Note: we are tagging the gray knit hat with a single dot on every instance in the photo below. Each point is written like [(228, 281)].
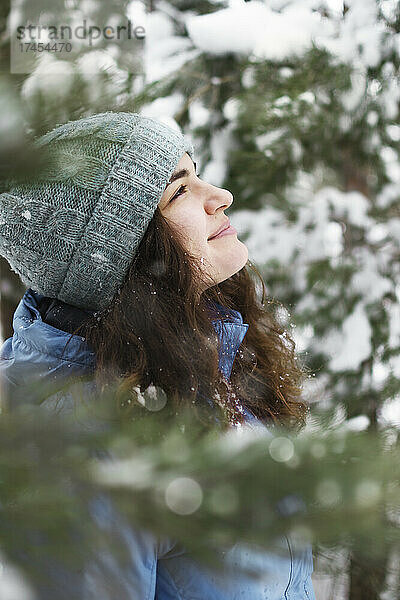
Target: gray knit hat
[(72, 234)]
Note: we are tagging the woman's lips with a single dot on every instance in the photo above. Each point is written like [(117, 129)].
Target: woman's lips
[(228, 231)]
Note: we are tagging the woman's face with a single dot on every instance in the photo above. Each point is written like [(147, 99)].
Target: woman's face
[(196, 210)]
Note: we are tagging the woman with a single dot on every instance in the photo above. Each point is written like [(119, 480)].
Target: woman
[(121, 241)]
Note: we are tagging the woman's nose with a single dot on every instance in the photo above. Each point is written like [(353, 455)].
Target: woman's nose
[(217, 197)]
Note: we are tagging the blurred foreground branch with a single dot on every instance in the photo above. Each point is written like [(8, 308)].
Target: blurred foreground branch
[(168, 472)]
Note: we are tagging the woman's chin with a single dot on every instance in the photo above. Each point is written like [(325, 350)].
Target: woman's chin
[(239, 257), (243, 254), (233, 268)]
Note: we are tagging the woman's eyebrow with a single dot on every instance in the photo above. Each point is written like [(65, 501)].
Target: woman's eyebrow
[(179, 175)]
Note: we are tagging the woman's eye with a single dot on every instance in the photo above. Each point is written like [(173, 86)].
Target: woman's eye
[(178, 192), (182, 189)]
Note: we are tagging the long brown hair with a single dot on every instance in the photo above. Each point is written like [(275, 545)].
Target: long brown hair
[(157, 331)]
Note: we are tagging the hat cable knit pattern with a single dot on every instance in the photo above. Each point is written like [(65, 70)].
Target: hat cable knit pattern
[(72, 233)]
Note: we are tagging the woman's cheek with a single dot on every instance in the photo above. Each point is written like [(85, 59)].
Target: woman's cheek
[(193, 227), (191, 238)]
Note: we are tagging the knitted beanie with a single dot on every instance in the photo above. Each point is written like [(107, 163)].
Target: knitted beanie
[(72, 233)]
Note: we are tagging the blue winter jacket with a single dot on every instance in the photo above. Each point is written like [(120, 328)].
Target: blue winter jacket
[(160, 568)]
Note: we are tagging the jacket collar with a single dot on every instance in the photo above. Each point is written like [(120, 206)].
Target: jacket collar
[(36, 342), (31, 330), (231, 331), (37, 351)]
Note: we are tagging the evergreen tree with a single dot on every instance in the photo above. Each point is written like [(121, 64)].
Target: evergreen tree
[(176, 476)]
